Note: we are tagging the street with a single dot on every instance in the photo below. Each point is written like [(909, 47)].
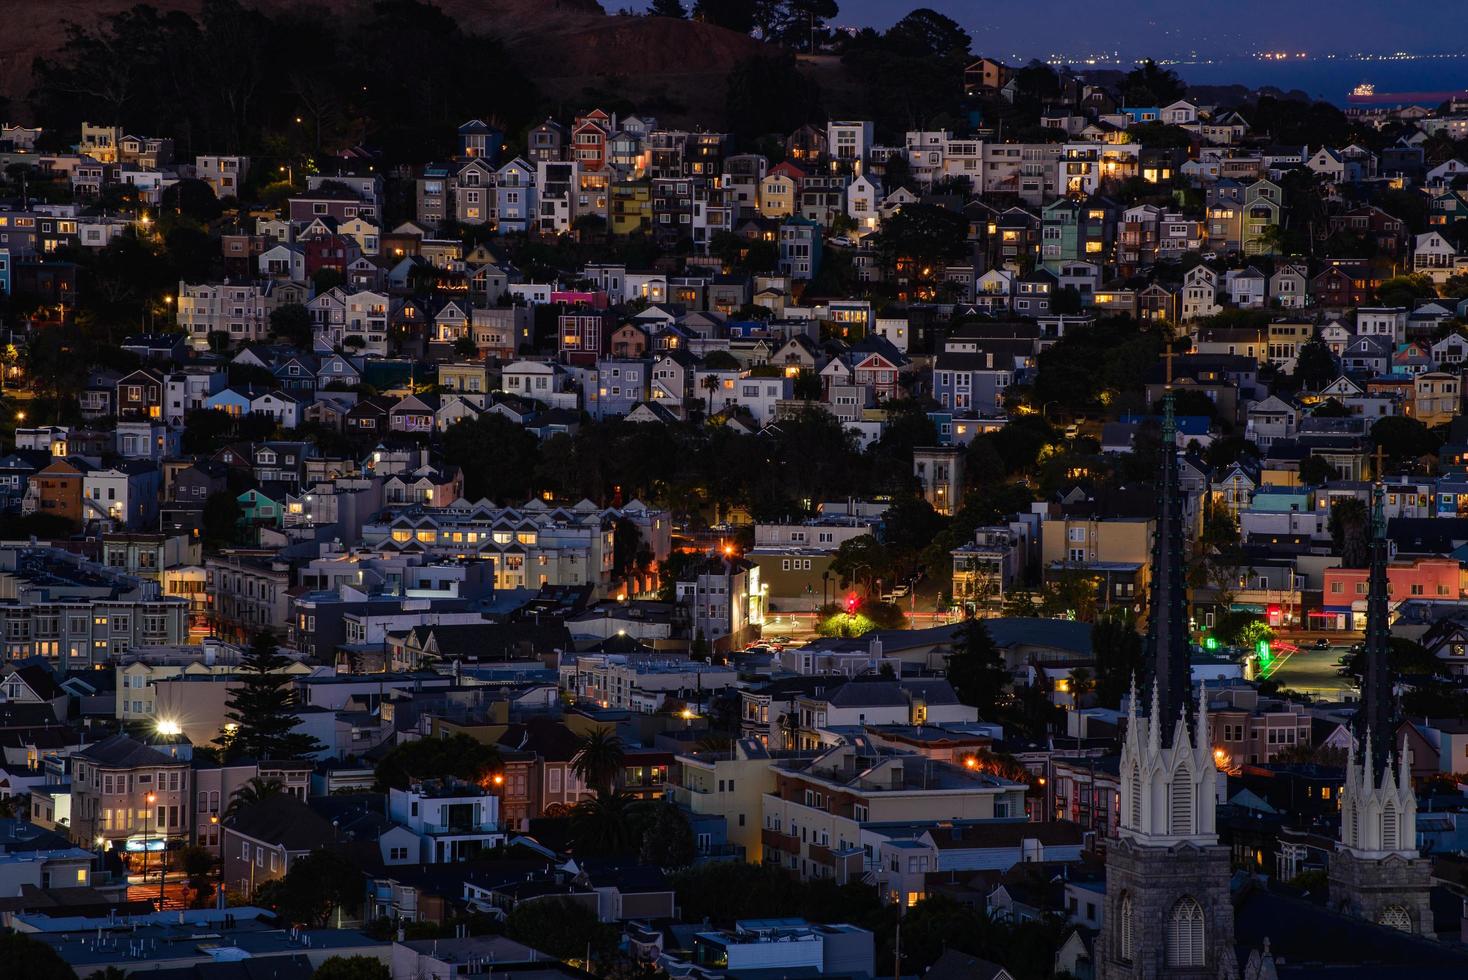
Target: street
[(1311, 671)]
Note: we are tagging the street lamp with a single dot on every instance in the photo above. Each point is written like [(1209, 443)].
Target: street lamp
[(147, 834)]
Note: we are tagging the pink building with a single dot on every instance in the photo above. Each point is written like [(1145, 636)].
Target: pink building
[(1424, 580)]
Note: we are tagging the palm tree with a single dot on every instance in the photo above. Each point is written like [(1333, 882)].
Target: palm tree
[(607, 823), (710, 383), (599, 760), (253, 792)]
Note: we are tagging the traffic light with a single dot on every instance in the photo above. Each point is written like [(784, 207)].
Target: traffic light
[(851, 604)]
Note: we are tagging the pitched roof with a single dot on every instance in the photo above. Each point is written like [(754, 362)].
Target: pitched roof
[(285, 821), (125, 752)]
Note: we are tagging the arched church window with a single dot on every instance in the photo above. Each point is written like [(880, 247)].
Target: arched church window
[(1126, 928), (1136, 797), (1181, 817), (1185, 933), (1396, 917)]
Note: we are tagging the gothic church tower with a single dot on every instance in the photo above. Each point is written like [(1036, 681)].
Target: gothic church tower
[(1376, 872), (1169, 915)]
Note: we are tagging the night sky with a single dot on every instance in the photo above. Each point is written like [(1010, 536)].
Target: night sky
[(1213, 28), (1217, 28)]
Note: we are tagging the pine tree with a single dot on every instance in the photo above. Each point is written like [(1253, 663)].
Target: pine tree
[(261, 709), (976, 668), (667, 8)]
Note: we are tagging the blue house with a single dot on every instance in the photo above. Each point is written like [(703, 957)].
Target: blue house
[(229, 401), (479, 140), (5, 271), (1142, 114)]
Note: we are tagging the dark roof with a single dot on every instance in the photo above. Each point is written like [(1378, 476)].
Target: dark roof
[(283, 820), (26, 714), (1309, 937), (294, 966), (125, 752), (1050, 833), (40, 681), (953, 965)]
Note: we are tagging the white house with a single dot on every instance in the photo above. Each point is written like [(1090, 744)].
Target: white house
[(453, 821)]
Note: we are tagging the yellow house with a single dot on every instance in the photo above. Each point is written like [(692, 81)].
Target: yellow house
[(1115, 553), (712, 784), (814, 814), (777, 196), (1286, 338), (631, 208), (1435, 397)]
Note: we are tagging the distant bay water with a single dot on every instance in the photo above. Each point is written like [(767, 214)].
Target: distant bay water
[(1331, 79)]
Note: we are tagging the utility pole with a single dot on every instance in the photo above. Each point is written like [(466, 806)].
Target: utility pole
[(897, 947)]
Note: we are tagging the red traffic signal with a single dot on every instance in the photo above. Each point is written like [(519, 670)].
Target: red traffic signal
[(851, 604)]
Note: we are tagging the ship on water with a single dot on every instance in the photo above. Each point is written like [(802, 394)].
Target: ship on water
[(1366, 94)]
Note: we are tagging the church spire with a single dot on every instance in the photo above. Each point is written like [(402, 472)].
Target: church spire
[(1376, 718), (1167, 628)]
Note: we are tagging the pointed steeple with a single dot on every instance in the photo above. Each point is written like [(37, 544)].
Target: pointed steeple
[(1376, 718), (1167, 629)]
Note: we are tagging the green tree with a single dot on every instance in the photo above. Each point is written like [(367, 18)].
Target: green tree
[(261, 708), (1315, 470), (316, 885), (666, 8), (197, 865), (924, 236), (768, 93), (1117, 648), (291, 323), (734, 15), (1157, 135), (976, 668), (667, 841), (1152, 85), (925, 33), (253, 791), (455, 757), (352, 968), (599, 759), (1403, 440), (191, 197), (1350, 531), (32, 959), (1405, 290), (562, 928), (326, 279), (221, 518), (1315, 365), (498, 457), (862, 559)]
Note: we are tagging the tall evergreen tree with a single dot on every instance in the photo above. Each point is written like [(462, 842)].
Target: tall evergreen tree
[(976, 668), (262, 708)]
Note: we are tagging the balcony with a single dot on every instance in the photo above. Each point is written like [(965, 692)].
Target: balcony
[(777, 841), (457, 829)]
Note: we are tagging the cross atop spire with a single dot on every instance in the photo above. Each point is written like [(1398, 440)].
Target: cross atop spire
[(1169, 418)]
